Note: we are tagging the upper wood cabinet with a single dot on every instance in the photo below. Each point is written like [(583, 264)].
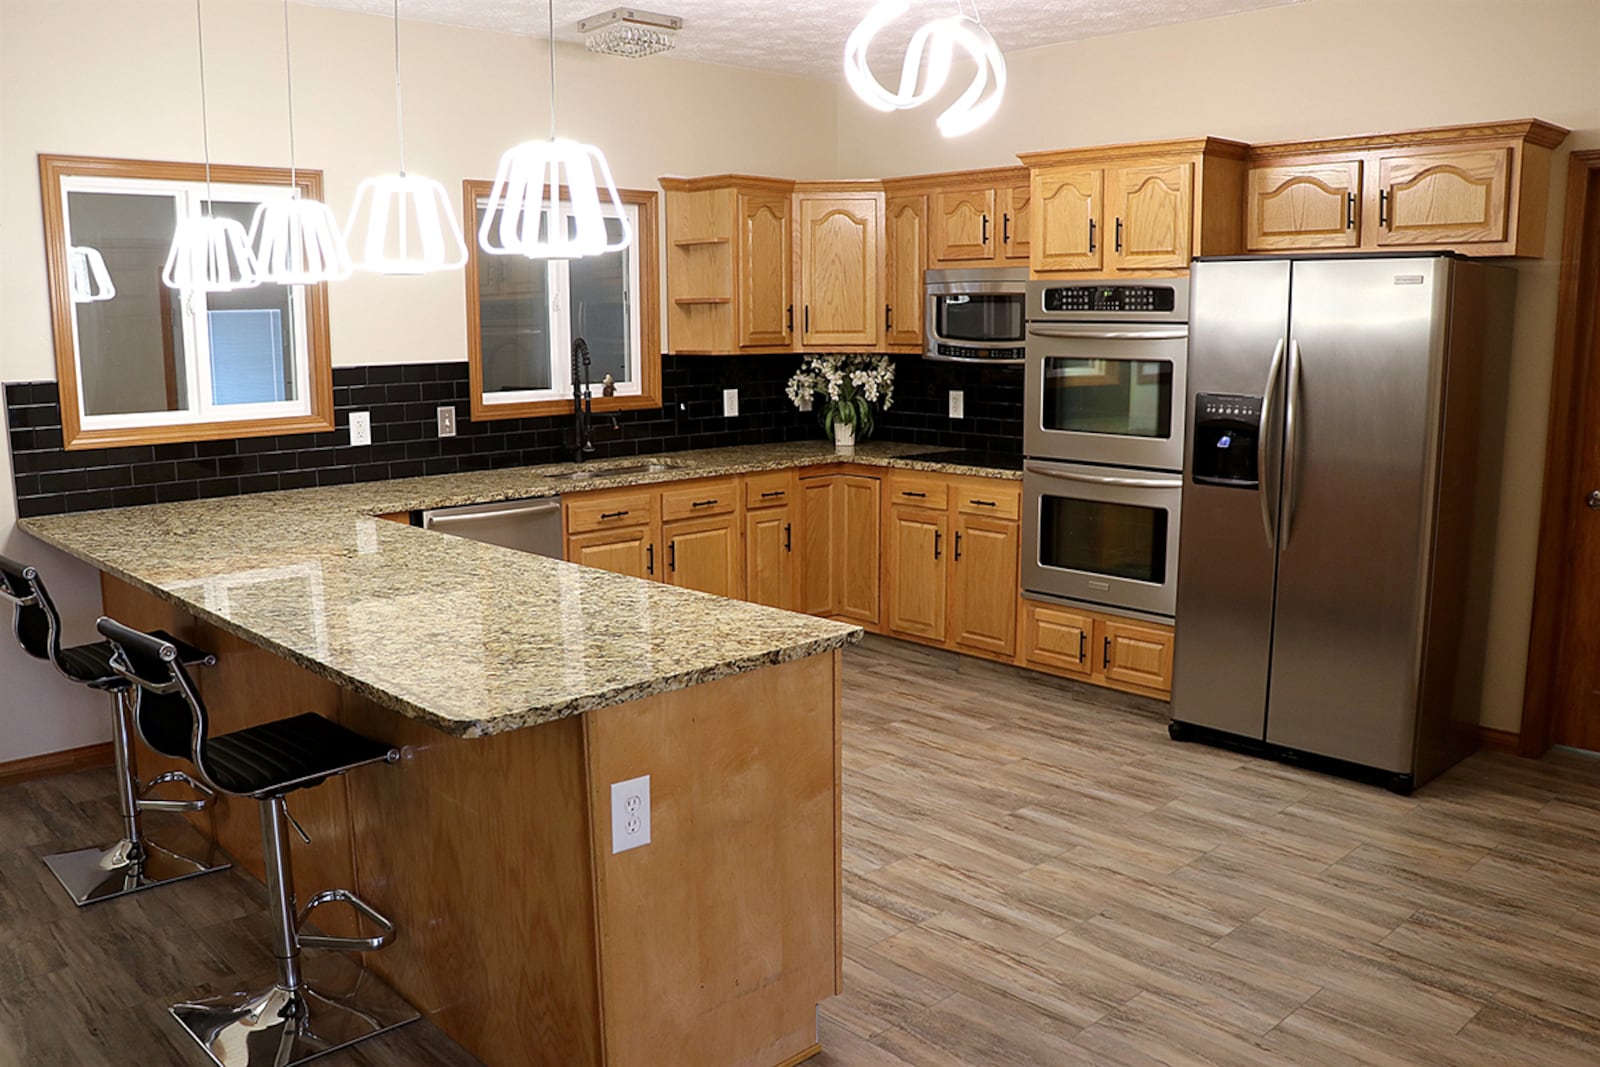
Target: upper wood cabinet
[(763, 265), (1015, 219), (905, 250), (1479, 190), (977, 218), (1142, 209), (840, 264), (960, 233)]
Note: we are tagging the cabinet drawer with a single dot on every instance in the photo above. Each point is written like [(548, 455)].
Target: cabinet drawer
[(768, 490), (988, 496), (716, 496), (604, 511), (920, 490)]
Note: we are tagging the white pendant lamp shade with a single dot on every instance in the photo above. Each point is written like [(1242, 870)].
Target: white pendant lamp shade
[(210, 255), (402, 224), (297, 242), (526, 215), (938, 39), (89, 278)]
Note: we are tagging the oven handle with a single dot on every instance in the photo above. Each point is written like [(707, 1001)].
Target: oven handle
[(1104, 479), (1089, 333)]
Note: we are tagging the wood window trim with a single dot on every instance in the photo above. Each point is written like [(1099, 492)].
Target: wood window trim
[(1571, 382), (319, 359), (644, 246)]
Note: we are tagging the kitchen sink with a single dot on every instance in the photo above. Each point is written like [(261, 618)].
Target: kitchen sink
[(585, 473)]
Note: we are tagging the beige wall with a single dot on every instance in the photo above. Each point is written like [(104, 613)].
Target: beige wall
[(1321, 69)]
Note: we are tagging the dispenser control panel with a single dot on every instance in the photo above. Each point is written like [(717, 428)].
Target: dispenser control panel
[(1227, 436)]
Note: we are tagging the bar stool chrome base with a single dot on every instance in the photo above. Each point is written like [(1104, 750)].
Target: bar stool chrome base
[(90, 875), (280, 1027)]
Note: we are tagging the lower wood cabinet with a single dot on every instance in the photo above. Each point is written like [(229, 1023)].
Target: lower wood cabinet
[(839, 547), (1137, 655), (705, 554), (631, 551), (1126, 654), (983, 568), (771, 556), (915, 573)]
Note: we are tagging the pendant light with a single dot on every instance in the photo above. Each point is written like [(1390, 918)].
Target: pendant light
[(208, 254), (403, 223), (939, 38), (89, 278), (297, 239), (526, 216)]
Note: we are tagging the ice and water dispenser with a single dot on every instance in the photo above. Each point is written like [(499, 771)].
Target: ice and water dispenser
[(1227, 432)]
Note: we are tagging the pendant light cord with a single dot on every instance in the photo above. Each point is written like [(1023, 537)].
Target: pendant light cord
[(288, 81), (399, 103), (205, 126), (550, 7)]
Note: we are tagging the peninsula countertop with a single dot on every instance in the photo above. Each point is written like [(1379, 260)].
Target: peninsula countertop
[(470, 638)]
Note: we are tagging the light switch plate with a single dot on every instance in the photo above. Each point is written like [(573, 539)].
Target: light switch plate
[(361, 427), (730, 403), (958, 404), (630, 814), (447, 421)]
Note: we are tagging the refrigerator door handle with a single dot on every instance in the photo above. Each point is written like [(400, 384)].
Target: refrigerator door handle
[(1262, 449), (1291, 441)]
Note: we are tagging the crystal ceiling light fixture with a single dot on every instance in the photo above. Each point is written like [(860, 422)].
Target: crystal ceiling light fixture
[(404, 221), (526, 215), (630, 33), (297, 239), (939, 39), (208, 254), (91, 282)]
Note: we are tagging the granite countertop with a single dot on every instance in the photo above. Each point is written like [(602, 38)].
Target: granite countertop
[(470, 638)]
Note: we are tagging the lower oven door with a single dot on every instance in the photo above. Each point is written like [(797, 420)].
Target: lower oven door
[(1101, 535)]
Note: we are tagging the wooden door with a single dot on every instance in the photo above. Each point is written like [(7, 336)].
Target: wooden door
[(629, 551), (1015, 220), (857, 552), (905, 251), (766, 290), (841, 263), (1304, 206), (1135, 654), (983, 595), (703, 554), (1066, 210), (961, 230), (1056, 638), (1151, 211), (1443, 198), (917, 541), (770, 570), (819, 576)]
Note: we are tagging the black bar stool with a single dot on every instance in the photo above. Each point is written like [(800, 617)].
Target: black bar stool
[(135, 862), (285, 1021)]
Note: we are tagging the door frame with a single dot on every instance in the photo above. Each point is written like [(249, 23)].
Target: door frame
[(1574, 393)]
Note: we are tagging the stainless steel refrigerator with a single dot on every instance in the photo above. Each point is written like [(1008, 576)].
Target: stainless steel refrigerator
[(1340, 481)]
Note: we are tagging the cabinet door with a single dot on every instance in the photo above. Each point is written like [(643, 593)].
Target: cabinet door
[(1015, 219), (1136, 655), (917, 543), (1066, 209), (905, 238), (703, 554), (770, 570), (841, 264), (766, 290), (857, 552), (961, 227), (1056, 638), (983, 599), (1151, 213), (1444, 198), (630, 551), (819, 528), (1304, 205)]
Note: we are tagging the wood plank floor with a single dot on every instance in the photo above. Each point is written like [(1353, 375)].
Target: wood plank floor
[(1034, 875)]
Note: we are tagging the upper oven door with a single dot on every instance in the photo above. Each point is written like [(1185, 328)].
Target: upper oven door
[(1106, 393)]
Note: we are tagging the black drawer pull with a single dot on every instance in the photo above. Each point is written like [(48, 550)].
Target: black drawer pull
[(703, 503), (1383, 208), (650, 558), (958, 546), (1105, 659), (938, 538), (1119, 235), (1091, 235), (1350, 211), (772, 493), (984, 503), (909, 492), (1083, 640), (672, 556), (612, 514), (788, 541)]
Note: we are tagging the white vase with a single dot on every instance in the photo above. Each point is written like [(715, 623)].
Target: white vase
[(844, 437)]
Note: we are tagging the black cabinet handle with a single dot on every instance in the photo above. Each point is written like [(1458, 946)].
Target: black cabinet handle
[(938, 539), (1349, 211), (986, 229), (612, 514), (772, 493), (789, 323), (672, 555), (1083, 641), (808, 318), (650, 558), (1119, 235), (888, 317), (1091, 235), (908, 492), (703, 503), (958, 546), (788, 542), (1005, 229), (1105, 656), (983, 503), (1383, 208)]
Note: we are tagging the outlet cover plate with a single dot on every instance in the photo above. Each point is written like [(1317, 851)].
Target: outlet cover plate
[(730, 403), (361, 427), (958, 404), (447, 421), (630, 813)]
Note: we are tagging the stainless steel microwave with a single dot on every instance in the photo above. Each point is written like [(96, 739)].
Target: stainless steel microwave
[(977, 315)]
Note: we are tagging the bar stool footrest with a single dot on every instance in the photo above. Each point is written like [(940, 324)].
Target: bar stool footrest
[(201, 803), (344, 944)]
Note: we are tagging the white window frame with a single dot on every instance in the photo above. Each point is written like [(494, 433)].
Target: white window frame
[(189, 198)]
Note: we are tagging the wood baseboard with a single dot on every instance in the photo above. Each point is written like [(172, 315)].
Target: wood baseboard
[(1500, 740), (53, 763), (801, 1057)]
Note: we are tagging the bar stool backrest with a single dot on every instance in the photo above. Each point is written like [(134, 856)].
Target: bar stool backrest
[(33, 614), (167, 709)]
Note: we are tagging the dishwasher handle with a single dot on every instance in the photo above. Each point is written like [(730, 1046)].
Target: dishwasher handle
[(542, 507)]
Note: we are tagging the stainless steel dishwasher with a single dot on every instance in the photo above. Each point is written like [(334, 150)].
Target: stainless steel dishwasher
[(525, 525)]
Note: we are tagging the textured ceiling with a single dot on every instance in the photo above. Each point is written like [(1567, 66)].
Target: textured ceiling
[(807, 37)]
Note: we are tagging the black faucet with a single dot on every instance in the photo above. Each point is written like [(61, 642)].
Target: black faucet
[(582, 404)]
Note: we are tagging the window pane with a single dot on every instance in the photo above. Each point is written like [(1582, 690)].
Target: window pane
[(513, 322), (130, 348), (251, 334), (600, 311)]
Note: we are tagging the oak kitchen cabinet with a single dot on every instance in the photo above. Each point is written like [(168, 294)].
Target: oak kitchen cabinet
[(1128, 654), (839, 519), (839, 261), (975, 218), (905, 240), (704, 541), (614, 530), (916, 571), (772, 564)]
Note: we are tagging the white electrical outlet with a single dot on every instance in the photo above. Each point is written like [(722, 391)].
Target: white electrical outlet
[(447, 421), (630, 813), (361, 427), (958, 404), (730, 402)]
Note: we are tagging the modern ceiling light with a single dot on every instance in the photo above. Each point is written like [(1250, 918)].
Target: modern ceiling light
[(297, 239), (626, 32), (939, 39), (526, 215), (91, 282), (208, 254), (404, 220)]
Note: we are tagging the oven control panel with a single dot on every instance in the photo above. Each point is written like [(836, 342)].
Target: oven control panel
[(975, 354), (1113, 298)]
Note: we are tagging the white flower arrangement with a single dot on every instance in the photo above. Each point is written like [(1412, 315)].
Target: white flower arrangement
[(849, 385)]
